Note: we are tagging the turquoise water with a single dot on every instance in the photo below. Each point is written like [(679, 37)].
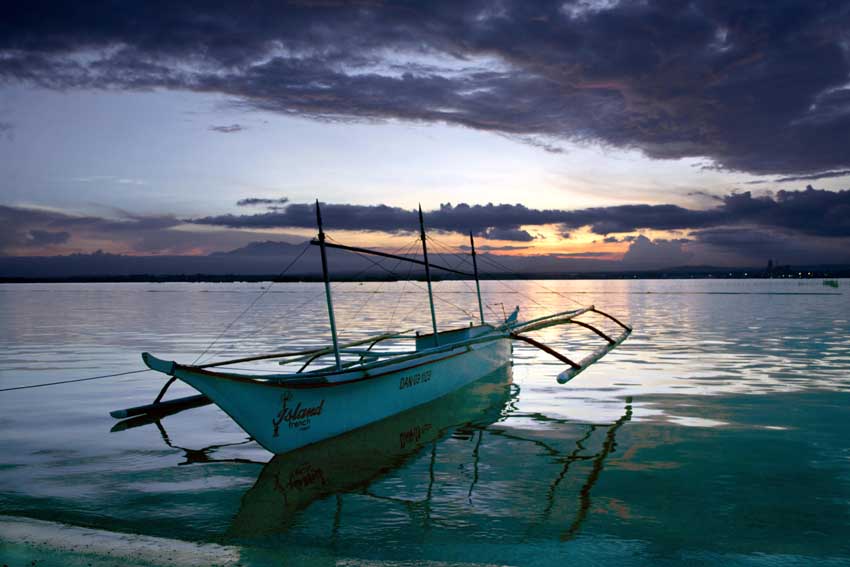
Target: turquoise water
[(717, 434)]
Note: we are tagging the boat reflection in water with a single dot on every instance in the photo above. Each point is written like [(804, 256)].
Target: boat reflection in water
[(479, 468), (467, 459), (352, 461)]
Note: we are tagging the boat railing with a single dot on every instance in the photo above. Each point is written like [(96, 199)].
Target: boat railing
[(322, 374), (368, 353), (400, 356), (423, 343)]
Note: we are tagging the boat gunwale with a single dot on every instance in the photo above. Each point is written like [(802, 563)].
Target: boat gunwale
[(304, 383), (391, 358), (298, 355)]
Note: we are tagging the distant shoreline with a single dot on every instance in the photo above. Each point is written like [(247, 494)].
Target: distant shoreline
[(673, 274)]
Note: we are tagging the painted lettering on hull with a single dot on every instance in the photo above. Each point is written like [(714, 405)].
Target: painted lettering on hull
[(297, 417), (414, 379)]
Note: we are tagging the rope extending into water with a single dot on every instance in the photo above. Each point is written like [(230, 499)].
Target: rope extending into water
[(75, 380)]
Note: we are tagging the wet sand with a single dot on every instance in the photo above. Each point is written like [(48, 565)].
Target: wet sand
[(34, 542)]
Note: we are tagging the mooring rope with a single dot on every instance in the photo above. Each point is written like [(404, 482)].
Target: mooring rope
[(75, 380), (99, 377)]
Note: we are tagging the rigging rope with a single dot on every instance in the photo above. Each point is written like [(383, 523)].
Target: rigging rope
[(75, 380), (487, 258), (535, 282), (400, 296), (296, 307), (401, 252), (459, 308), (259, 297), (464, 261)]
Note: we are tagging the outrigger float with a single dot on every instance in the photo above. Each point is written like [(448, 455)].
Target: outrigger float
[(364, 384)]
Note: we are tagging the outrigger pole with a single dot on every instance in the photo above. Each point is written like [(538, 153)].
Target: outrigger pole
[(328, 286), (428, 276), (477, 283)]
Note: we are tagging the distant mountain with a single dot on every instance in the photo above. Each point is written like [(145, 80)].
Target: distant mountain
[(267, 248), (263, 260)]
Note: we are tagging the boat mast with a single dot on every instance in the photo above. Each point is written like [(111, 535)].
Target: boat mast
[(428, 276), (328, 286), (475, 270)]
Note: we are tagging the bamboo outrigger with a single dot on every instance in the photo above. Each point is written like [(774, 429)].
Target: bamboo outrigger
[(287, 410)]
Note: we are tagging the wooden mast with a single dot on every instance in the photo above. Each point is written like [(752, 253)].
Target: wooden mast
[(477, 283), (326, 277), (428, 276)]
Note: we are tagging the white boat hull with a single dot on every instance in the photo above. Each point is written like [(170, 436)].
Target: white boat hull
[(283, 417)]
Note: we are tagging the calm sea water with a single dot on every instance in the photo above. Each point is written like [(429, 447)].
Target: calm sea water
[(719, 433)]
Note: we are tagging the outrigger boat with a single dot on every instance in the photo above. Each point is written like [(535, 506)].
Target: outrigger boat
[(364, 384)]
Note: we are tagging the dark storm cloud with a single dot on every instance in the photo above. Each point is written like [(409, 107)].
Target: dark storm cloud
[(824, 175), (706, 195), (489, 248), (232, 129), (753, 85), (812, 177), (658, 253), (500, 222), (755, 246), (811, 211), (515, 234), (255, 202)]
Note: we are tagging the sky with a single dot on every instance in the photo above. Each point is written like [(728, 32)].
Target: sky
[(652, 134)]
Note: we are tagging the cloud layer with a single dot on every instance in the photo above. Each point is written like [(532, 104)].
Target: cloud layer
[(805, 226), (28, 231), (812, 212), (751, 85)]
